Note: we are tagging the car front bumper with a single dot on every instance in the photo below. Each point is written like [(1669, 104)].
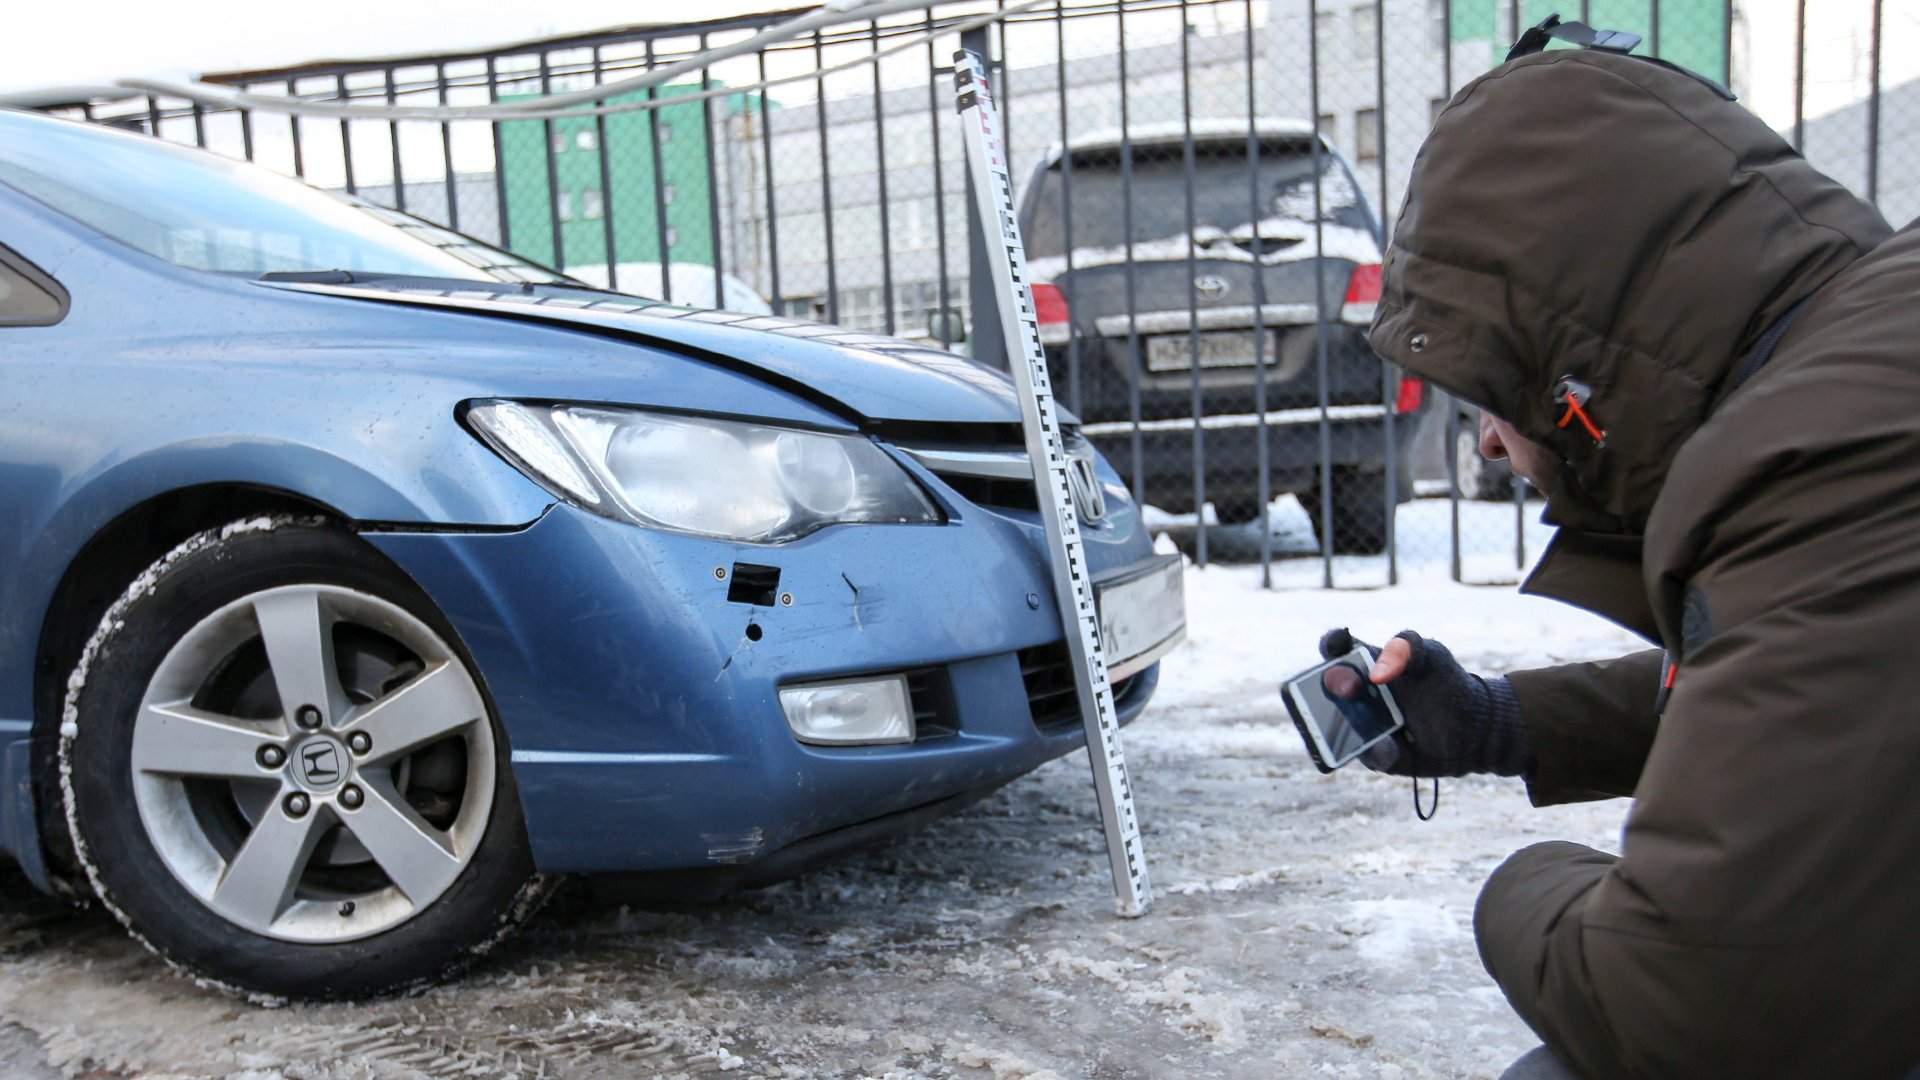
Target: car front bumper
[(641, 703)]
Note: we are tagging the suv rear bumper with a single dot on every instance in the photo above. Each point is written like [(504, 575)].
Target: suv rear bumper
[(1228, 451)]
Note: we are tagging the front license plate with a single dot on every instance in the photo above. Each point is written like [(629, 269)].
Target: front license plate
[(1218, 348), (1143, 615)]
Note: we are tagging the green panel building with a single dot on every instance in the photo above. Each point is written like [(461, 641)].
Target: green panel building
[(583, 197), (1692, 33)]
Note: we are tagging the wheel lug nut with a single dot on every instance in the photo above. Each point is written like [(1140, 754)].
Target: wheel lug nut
[(360, 742), (307, 717), (297, 804), (350, 797), (271, 757)]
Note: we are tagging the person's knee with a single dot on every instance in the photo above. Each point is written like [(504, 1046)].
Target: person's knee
[(1508, 914)]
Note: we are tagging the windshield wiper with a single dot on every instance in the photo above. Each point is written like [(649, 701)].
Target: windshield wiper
[(369, 277), (317, 277)]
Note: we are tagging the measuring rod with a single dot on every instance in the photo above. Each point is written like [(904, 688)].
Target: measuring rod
[(1046, 448)]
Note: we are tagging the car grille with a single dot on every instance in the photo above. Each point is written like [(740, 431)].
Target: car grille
[(994, 476), (1047, 671), (987, 491)]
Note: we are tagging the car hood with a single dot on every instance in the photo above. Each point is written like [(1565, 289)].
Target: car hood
[(873, 377)]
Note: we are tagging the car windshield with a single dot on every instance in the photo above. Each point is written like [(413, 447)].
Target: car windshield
[(204, 212), (1222, 197)]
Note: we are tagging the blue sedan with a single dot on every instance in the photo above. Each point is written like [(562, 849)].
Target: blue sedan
[(357, 578)]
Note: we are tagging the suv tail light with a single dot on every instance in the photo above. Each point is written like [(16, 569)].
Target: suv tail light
[(1050, 311), (1363, 295), (1411, 394)]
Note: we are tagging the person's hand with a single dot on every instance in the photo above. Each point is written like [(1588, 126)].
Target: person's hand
[(1456, 722)]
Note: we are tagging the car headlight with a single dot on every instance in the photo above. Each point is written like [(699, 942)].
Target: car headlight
[(722, 478)]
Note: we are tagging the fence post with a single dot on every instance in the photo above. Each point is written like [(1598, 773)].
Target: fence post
[(1873, 111), (1800, 76), (1726, 44), (826, 183), (1453, 407), (1074, 387), (880, 167), (499, 159), (1138, 459), (446, 154), (1519, 522), (1196, 408), (1262, 451), (1389, 378), (715, 244), (559, 258), (989, 346), (660, 223), (1453, 481), (346, 142), (393, 139), (1320, 300), (607, 201), (934, 115), (773, 207)]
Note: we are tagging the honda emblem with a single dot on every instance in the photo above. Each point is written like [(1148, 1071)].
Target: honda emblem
[(1088, 498)]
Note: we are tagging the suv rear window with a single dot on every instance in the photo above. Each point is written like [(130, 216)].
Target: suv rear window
[(1222, 198)]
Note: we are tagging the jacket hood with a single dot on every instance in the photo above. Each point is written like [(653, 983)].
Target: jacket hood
[(1584, 214)]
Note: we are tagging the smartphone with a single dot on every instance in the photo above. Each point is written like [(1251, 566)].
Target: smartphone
[(1339, 711)]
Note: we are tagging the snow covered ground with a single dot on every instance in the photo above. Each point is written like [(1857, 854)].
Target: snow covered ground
[(1304, 925)]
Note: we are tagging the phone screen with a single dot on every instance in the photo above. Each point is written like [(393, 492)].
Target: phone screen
[(1339, 711)]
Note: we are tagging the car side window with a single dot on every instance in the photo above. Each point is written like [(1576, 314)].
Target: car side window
[(27, 296)]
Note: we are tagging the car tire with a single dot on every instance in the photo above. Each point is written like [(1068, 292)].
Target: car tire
[(1477, 477), (376, 846), (1237, 510), (1359, 511)]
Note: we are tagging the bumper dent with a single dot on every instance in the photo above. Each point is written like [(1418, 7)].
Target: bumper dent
[(644, 715)]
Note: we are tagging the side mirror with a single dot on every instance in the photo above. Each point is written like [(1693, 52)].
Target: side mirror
[(947, 327)]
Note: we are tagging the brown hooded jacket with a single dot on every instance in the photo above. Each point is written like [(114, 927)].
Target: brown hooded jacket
[(1583, 214)]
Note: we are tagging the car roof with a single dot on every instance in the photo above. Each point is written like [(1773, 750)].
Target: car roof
[(1175, 131)]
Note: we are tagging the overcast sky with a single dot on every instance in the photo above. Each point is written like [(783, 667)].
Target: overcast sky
[(53, 44)]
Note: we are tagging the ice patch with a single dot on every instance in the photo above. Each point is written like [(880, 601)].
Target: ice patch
[(1005, 1066), (1395, 933), (1222, 740), (1212, 1016), (1233, 884)]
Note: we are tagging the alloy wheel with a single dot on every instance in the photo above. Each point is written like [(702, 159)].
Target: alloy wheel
[(313, 763), (1469, 468)]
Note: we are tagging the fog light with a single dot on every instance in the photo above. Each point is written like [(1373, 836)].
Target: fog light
[(850, 712)]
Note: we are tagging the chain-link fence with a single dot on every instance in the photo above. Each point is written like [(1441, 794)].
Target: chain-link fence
[(1207, 188)]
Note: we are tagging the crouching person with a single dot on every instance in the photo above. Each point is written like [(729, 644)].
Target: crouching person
[(1704, 352)]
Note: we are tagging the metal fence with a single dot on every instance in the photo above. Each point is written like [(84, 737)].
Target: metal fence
[(1209, 183)]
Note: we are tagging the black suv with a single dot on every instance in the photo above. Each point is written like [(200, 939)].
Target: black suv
[(1084, 295)]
